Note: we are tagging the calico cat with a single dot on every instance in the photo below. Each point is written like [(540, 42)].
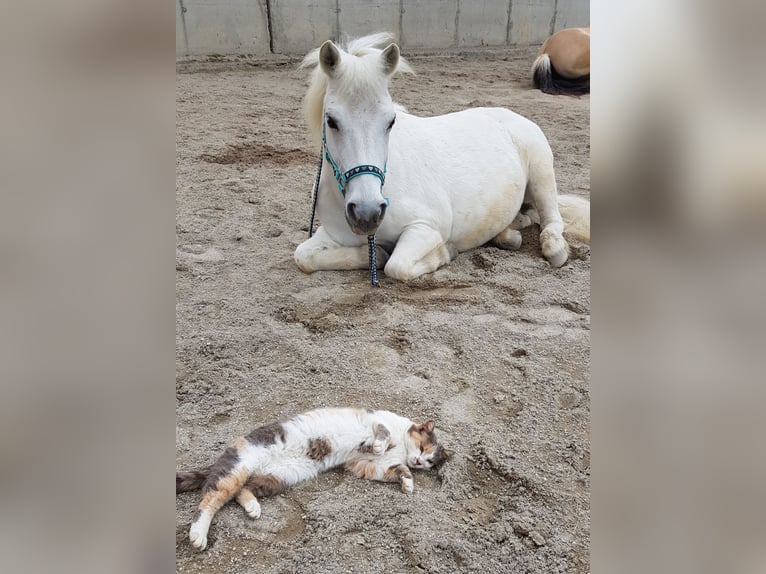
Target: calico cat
[(376, 445)]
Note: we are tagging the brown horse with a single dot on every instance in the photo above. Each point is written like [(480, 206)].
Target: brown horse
[(562, 65)]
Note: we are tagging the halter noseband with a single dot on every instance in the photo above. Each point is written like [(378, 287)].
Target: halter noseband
[(343, 177)]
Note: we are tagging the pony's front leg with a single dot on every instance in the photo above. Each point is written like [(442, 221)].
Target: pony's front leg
[(321, 252), (420, 249)]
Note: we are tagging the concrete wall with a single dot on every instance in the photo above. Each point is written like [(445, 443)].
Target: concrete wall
[(206, 27), (293, 27)]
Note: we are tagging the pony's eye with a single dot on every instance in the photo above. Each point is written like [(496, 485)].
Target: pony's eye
[(393, 121), (331, 123)]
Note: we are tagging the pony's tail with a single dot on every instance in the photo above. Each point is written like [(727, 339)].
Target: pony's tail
[(575, 211), (548, 80), (541, 73), (193, 480)]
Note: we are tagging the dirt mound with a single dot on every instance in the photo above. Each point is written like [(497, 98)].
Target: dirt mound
[(259, 154)]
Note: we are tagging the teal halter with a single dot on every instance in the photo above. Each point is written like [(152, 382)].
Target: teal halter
[(343, 177)]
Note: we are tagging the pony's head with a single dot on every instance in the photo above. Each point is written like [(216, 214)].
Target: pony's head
[(348, 103)]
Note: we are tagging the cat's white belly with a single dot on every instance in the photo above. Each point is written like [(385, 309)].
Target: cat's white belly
[(289, 462)]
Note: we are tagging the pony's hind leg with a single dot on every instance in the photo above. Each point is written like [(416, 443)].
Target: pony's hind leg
[(542, 190), (420, 249)]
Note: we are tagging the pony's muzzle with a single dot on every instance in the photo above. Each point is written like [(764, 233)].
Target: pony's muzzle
[(364, 219)]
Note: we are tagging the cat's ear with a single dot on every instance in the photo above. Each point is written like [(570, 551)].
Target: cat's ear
[(428, 426)]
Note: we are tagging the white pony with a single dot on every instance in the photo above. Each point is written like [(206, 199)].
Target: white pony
[(452, 182)]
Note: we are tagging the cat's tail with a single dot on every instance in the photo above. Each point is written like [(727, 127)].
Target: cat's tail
[(192, 480)]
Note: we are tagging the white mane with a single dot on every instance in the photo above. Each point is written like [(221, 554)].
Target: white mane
[(360, 69)]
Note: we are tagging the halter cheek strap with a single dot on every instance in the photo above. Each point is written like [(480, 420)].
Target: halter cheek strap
[(343, 177)]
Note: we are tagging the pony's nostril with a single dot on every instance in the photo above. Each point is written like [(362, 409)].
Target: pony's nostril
[(351, 208), (383, 207)]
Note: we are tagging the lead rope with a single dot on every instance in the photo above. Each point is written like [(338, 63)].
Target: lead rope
[(373, 253), (315, 195), (373, 261)]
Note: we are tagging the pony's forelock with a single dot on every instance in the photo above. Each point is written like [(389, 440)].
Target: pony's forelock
[(356, 72)]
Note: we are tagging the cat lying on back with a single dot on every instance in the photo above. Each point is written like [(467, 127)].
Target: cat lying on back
[(376, 445)]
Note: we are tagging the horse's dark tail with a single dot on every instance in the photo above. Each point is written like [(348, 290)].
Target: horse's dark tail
[(548, 80), (192, 480)]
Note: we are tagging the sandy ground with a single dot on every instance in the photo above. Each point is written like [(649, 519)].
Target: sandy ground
[(494, 346)]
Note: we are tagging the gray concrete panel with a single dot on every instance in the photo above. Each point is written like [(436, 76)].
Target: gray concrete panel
[(429, 23), (298, 26), (531, 21), (482, 22), (572, 14), (361, 17), (225, 27)]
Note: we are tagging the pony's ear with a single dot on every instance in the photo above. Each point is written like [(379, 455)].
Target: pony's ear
[(427, 426), (329, 58), (390, 57)]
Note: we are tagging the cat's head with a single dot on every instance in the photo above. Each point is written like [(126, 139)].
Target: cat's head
[(424, 451)]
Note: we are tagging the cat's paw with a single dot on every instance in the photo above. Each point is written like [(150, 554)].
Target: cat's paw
[(407, 484), (380, 446), (252, 508), (198, 536)]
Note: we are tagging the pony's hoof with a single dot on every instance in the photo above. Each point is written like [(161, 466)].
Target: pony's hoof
[(398, 270), (523, 220), (554, 248), (302, 260), (508, 239)]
